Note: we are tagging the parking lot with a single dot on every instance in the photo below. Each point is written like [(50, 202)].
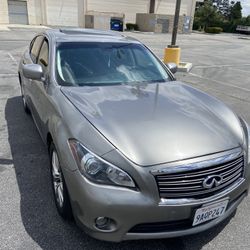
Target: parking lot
[(28, 217)]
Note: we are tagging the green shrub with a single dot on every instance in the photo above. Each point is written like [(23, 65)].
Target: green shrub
[(213, 30), (131, 26), (196, 24), (230, 26)]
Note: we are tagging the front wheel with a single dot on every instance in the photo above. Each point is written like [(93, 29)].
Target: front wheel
[(59, 186), (25, 106)]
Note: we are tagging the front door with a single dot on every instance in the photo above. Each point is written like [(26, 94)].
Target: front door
[(40, 88)]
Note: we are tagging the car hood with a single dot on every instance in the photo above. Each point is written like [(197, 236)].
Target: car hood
[(158, 122)]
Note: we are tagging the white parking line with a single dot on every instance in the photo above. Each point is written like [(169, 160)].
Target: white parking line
[(225, 84), (218, 66), (12, 58), (241, 70), (6, 75)]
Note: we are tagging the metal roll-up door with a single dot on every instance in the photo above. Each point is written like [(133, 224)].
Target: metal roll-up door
[(18, 12)]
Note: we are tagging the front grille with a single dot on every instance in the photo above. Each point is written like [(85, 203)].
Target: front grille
[(189, 184)]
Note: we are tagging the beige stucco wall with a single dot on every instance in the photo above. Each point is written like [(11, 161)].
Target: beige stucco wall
[(148, 22), (71, 12), (81, 10), (131, 7), (98, 20), (35, 12), (64, 13), (4, 15), (56, 12), (168, 6), (128, 7)]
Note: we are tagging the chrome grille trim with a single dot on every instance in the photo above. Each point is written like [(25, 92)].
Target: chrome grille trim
[(189, 183), (239, 166), (208, 199), (208, 172), (195, 164)]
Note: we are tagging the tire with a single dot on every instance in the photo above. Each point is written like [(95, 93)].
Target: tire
[(25, 106), (59, 188)]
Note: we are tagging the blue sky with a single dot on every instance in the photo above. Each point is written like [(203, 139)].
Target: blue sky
[(246, 7)]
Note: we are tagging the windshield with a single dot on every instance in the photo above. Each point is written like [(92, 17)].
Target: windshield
[(98, 64)]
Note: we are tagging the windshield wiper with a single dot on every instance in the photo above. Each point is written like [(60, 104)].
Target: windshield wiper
[(99, 84), (120, 46)]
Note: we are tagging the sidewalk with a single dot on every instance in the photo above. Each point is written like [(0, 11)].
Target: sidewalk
[(8, 27)]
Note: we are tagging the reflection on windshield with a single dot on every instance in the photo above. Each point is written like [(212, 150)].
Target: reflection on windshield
[(97, 64)]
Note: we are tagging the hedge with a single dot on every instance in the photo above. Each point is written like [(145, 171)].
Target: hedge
[(213, 30), (131, 26)]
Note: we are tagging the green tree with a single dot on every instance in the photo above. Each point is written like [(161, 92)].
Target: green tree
[(207, 15), (246, 21), (235, 11)]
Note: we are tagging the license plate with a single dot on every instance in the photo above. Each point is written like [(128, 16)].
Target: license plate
[(209, 212)]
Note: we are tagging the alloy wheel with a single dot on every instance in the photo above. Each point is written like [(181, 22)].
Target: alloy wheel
[(57, 179)]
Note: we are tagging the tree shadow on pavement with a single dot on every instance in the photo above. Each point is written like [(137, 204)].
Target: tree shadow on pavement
[(38, 212)]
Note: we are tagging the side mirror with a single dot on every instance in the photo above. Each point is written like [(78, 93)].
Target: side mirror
[(173, 67), (33, 71)]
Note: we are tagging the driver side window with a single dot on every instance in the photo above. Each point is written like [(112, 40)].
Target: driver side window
[(35, 47), (43, 58)]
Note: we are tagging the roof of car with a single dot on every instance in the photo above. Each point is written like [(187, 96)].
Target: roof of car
[(88, 35)]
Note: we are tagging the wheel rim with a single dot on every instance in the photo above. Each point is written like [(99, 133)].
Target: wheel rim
[(57, 179)]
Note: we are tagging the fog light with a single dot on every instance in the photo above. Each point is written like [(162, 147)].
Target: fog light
[(105, 224), (101, 222)]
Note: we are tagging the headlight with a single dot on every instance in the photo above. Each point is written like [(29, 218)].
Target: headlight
[(96, 169)]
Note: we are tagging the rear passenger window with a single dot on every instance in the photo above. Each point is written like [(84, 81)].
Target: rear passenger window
[(43, 58), (35, 47)]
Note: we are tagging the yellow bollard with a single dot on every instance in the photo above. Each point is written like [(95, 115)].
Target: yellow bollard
[(172, 55)]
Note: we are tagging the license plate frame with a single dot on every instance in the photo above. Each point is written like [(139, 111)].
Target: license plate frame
[(210, 211)]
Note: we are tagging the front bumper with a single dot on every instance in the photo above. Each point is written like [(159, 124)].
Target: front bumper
[(129, 208)]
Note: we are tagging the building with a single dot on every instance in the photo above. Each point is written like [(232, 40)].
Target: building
[(83, 12)]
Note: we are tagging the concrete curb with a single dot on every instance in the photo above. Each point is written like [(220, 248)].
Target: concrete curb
[(4, 28), (185, 67), (8, 27)]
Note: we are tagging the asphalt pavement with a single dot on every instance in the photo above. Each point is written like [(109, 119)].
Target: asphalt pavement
[(28, 217)]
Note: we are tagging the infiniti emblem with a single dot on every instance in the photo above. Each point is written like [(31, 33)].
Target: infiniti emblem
[(212, 181)]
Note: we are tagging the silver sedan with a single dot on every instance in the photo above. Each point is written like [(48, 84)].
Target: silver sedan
[(134, 154)]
